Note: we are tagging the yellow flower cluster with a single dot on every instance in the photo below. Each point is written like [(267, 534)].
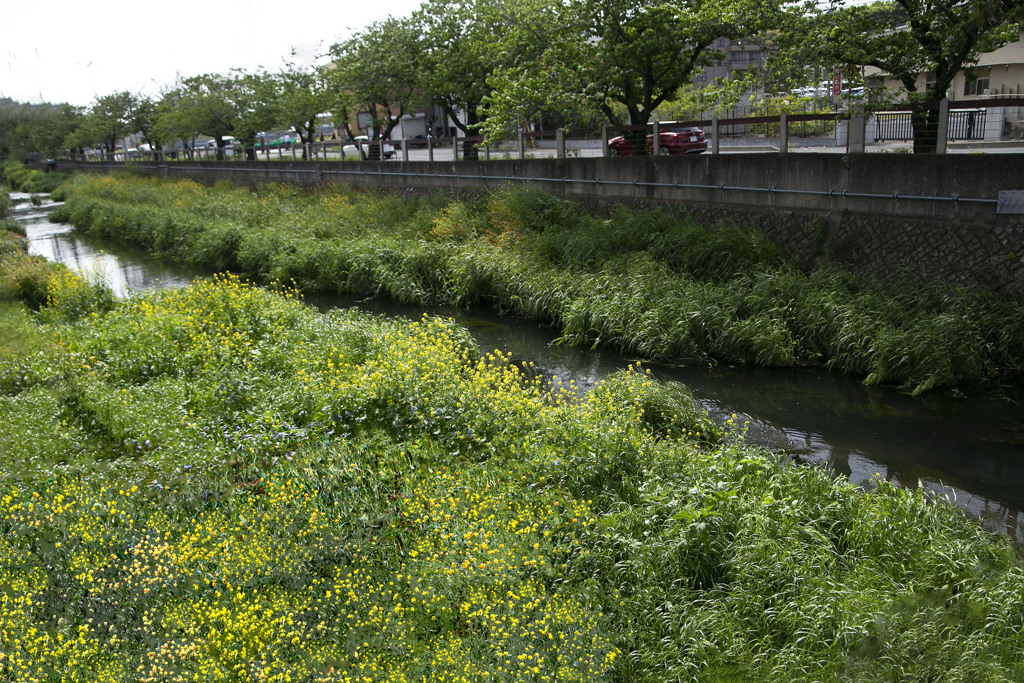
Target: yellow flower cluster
[(356, 558)]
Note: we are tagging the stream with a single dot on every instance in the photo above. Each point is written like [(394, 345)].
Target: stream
[(965, 444)]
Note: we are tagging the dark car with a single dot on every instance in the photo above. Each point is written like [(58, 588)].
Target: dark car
[(672, 140)]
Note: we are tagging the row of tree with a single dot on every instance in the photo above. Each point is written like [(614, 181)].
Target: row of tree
[(492, 66)]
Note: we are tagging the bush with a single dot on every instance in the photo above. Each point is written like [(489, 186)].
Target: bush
[(218, 479), (27, 278), (654, 284), (15, 173)]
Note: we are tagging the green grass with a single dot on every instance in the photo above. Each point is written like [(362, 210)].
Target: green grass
[(19, 337), (655, 285), (218, 479)]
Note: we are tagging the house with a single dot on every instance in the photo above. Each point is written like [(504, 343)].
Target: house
[(997, 74)]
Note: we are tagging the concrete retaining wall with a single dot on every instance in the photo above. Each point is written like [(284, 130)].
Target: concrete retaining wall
[(924, 217)]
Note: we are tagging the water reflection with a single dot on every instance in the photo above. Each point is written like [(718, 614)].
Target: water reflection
[(969, 449), (127, 271)]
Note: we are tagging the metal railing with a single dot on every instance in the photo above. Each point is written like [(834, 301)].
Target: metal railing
[(998, 120)]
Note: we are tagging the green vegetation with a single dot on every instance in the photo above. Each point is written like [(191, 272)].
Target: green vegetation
[(651, 284), (23, 179), (219, 483)]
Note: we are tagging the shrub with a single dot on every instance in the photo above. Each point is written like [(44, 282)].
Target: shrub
[(655, 284), (27, 278)]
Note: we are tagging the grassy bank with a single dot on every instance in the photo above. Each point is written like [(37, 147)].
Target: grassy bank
[(655, 285), (24, 179), (219, 483)]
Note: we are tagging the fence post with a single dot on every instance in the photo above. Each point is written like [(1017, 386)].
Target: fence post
[(455, 147), (405, 149), (783, 133), (656, 138), (943, 132), (430, 148), (604, 140), (559, 143), (856, 134), (487, 152), (714, 134)]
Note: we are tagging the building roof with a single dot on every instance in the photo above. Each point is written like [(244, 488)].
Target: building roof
[(1011, 53)]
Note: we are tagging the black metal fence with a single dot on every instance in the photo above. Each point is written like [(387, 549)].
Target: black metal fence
[(964, 124)]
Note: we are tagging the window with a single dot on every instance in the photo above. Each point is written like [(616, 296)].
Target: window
[(975, 86)]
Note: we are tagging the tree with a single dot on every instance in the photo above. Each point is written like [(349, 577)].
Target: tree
[(383, 69), (109, 119), (206, 104), (909, 39), (27, 129), (466, 42), (302, 95), (627, 57), (255, 96)]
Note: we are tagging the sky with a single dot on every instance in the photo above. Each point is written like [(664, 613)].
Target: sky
[(74, 51)]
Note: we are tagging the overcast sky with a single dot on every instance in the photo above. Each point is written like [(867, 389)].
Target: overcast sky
[(72, 51)]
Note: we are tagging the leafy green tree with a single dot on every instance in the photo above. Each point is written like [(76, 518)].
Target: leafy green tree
[(35, 128), (109, 119), (383, 68), (301, 96), (206, 104), (466, 42), (624, 57), (911, 38), (143, 119), (542, 71), (256, 97)]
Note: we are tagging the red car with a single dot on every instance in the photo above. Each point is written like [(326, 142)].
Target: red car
[(673, 140)]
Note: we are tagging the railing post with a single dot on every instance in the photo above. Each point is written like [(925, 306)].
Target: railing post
[(783, 133), (455, 147), (430, 148), (856, 137), (656, 138), (522, 144), (604, 140), (943, 132), (405, 149), (559, 143), (487, 152), (714, 134)]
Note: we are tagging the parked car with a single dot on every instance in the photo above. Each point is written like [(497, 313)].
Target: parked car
[(210, 146), (352, 149), (672, 140)]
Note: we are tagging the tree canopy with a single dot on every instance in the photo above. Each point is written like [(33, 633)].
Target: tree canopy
[(922, 44), (497, 66)]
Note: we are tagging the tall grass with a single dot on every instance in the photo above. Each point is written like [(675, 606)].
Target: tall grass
[(220, 483), (653, 284)]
